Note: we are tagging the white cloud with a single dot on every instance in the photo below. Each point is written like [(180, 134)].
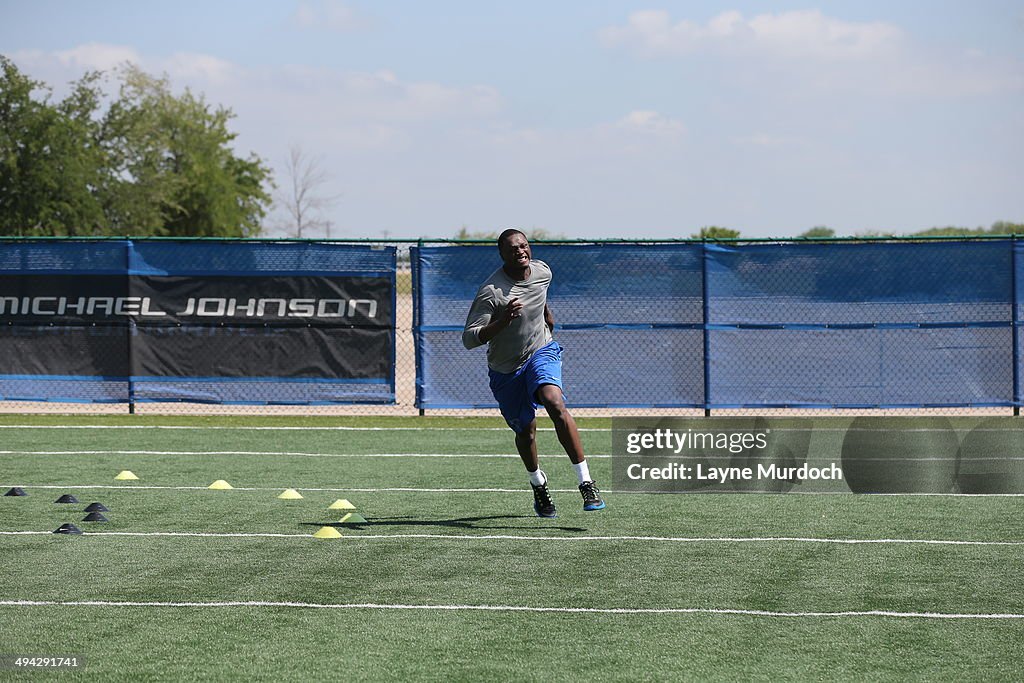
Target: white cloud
[(64, 65), (811, 34), (198, 67), (330, 15), (797, 34), (362, 97), (290, 93), (96, 56), (807, 51), (652, 123)]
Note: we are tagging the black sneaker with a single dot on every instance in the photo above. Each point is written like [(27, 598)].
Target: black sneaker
[(542, 503), (591, 496)]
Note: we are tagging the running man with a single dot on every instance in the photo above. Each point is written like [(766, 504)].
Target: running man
[(511, 315)]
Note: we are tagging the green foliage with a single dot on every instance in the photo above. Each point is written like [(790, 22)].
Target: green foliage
[(950, 231), (49, 157), (714, 232), (465, 233), (148, 163), (1007, 228), (998, 228), (818, 232), (531, 234), (876, 234)]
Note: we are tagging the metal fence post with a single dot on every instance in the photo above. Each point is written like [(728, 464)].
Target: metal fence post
[(417, 312), (1015, 323), (130, 330), (705, 331)]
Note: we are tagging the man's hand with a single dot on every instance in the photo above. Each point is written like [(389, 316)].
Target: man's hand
[(513, 310)]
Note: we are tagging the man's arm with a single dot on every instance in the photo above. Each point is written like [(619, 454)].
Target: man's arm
[(489, 331), (549, 318), (482, 325)]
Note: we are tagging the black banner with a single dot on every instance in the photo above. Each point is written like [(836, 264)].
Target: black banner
[(292, 326)]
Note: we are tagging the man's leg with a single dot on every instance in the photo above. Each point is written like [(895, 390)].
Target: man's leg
[(550, 396), (526, 444), (517, 408)]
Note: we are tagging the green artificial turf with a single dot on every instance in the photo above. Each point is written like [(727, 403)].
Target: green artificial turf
[(535, 563)]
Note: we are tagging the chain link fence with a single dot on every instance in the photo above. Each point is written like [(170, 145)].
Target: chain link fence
[(782, 327)]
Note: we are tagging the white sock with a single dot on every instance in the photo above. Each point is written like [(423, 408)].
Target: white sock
[(582, 471), (537, 478)]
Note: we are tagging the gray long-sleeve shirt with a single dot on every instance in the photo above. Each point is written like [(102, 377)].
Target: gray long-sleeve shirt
[(514, 345)]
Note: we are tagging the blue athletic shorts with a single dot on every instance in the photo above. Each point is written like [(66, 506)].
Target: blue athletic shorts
[(516, 393)]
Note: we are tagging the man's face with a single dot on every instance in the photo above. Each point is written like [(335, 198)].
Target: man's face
[(515, 251)]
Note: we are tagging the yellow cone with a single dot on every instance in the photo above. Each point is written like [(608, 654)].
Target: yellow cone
[(327, 532), (352, 518), (290, 494), (342, 504), (220, 485), (126, 475)]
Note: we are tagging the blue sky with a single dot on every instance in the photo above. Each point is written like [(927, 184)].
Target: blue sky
[(592, 119)]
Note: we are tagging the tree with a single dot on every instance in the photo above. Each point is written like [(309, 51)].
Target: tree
[(465, 233), (24, 129), (139, 195), (949, 231), (51, 158), (176, 150), (818, 232), (1007, 228), (714, 232), (303, 198), (998, 228), (152, 163)]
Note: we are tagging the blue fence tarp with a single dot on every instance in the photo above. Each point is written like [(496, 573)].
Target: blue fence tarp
[(607, 299), (262, 323), (681, 325), (861, 324)]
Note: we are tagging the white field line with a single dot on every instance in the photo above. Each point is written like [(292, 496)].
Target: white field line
[(413, 489), (371, 489), (260, 428), (291, 453), (511, 608), (469, 455), (254, 428), (531, 538)]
